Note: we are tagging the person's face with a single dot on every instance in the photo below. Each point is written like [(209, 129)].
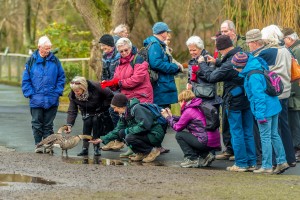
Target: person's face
[(226, 31), (194, 50), (164, 36), (105, 48), (78, 91), (252, 46), (181, 103), (124, 50), (119, 110), (288, 42), (124, 33), (44, 50), (168, 40)]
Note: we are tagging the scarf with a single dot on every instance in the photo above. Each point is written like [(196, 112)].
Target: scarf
[(83, 97)]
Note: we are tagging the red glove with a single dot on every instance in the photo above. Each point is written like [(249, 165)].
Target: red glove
[(195, 68), (111, 83), (262, 121)]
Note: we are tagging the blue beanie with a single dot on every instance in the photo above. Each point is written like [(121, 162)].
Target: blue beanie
[(160, 27)]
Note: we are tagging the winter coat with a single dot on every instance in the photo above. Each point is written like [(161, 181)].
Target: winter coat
[(137, 120), (98, 101), (262, 105), (109, 65), (165, 91), (294, 100), (233, 95), (279, 60), (134, 81), (193, 119), (44, 81)]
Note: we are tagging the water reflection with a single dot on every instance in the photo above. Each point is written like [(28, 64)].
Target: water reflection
[(23, 179)]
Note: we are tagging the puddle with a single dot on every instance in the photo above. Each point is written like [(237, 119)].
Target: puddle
[(109, 162), (23, 179)]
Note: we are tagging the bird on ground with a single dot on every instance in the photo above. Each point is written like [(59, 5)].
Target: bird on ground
[(63, 142)]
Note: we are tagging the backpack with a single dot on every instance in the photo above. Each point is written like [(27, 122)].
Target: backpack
[(211, 116), (155, 110), (274, 84)]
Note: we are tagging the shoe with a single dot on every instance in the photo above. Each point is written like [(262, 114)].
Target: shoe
[(127, 153), (117, 145), (97, 151), (263, 171), (231, 158), (235, 168), (223, 156), (281, 168), (252, 168), (108, 146), (84, 152), (190, 163), (138, 157), (208, 160), (293, 164), (152, 155), (38, 150)]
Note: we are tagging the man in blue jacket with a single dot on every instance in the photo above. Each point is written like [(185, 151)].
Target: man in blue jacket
[(164, 89), (43, 82)]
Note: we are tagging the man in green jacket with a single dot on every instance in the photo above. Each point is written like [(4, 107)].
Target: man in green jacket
[(292, 42), (137, 126)]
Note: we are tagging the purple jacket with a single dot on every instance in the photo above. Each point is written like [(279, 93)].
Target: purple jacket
[(193, 119)]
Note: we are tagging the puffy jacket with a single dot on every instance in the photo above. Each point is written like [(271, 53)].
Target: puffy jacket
[(262, 105), (193, 120), (135, 81), (232, 82), (165, 91), (137, 120), (98, 101), (109, 64), (44, 81)]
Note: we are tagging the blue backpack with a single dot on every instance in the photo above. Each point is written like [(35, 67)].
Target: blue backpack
[(155, 110)]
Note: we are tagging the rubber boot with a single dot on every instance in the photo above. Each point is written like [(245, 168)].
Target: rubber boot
[(127, 153), (97, 150), (84, 152)]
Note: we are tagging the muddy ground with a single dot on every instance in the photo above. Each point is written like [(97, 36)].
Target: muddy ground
[(75, 180)]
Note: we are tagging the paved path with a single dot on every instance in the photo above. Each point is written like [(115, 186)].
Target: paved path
[(15, 131)]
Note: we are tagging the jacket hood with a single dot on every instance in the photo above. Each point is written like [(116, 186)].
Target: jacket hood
[(195, 102), (153, 39), (132, 102), (254, 63)]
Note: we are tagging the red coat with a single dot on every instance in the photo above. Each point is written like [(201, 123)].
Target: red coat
[(134, 82)]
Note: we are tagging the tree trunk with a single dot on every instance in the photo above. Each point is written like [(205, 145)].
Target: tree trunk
[(28, 39)]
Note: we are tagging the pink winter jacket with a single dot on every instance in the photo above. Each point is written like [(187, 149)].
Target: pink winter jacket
[(134, 82)]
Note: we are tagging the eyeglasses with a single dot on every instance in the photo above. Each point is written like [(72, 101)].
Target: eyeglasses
[(75, 83), (125, 50)]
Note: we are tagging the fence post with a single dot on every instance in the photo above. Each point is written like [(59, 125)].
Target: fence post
[(83, 68), (1, 63), (9, 68)]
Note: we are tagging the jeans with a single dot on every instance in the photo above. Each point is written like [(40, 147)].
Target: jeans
[(294, 122), (42, 122), (269, 137), (190, 145), (242, 139), (285, 133), (139, 143)]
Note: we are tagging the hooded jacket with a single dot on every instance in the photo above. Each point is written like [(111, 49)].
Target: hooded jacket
[(109, 64), (193, 119), (262, 105)]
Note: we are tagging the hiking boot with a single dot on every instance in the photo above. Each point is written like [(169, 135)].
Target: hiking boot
[(84, 152), (231, 158), (252, 168), (208, 160), (281, 168), (263, 171), (235, 168), (108, 146), (190, 163), (38, 150), (152, 155), (127, 153), (223, 156), (117, 145), (138, 157)]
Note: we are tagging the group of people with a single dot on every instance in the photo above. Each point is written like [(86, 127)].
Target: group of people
[(256, 127)]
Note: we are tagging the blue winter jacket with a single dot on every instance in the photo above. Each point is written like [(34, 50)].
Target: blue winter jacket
[(44, 82), (109, 65), (262, 105), (164, 90)]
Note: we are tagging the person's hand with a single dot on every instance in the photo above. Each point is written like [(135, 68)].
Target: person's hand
[(262, 121), (211, 59), (180, 67), (201, 59), (164, 113), (169, 111), (95, 141), (68, 130), (189, 86)]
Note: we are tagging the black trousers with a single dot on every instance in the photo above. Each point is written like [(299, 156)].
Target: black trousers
[(139, 143), (226, 133)]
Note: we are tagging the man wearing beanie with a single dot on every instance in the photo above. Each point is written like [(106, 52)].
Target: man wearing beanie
[(236, 104), (137, 127), (164, 90)]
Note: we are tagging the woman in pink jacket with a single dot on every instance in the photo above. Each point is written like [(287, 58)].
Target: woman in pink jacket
[(131, 76)]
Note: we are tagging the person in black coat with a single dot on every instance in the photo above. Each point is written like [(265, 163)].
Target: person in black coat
[(93, 103)]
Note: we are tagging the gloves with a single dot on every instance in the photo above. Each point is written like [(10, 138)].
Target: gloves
[(111, 83), (195, 69), (262, 121)]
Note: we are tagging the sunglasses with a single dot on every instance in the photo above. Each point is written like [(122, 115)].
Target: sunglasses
[(75, 83), (125, 50)]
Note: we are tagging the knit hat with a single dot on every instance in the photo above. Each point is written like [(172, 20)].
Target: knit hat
[(119, 100), (287, 31), (217, 35), (107, 40), (239, 60), (223, 42), (253, 35), (160, 27)]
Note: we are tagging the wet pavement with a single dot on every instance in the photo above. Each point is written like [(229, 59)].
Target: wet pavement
[(15, 132)]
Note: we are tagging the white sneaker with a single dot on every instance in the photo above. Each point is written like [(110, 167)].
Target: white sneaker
[(190, 164)]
